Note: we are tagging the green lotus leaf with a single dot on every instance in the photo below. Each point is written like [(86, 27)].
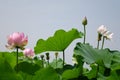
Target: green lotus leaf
[(23, 66), (57, 63), (59, 42), (88, 53), (116, 61), (71, 74), (92, 73), (6, 71), (114, 76), (9, 57), (91, 55), (47, 73), (116, 57)]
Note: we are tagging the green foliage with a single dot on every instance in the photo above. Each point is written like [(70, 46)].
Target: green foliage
[(6, 71), (57, 63), (92, 55), (71, 74), (47, 73), (104, 63), (93, 72), (9, 57), (107, 62), (28, 68), (59, 42)]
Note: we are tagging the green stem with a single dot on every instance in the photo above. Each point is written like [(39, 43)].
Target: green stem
[(48, 62), (98, 44), (63, 58), (99, 38), (17, 59), (103, 42), (97, 71), (42, 63), (84, 34), (42, 58), (56, 62)]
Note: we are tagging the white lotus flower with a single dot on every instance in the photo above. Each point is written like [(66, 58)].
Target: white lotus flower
[(102, 29), (108, 35)]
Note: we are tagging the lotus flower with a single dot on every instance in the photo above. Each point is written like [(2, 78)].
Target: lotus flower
[(29, 53), (101, 30), (17, 40), (108, 35)]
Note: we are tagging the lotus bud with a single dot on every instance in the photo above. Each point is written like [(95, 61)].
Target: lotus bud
[(84, 21), (29, 53)]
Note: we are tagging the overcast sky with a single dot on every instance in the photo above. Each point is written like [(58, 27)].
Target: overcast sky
[(41, 18)]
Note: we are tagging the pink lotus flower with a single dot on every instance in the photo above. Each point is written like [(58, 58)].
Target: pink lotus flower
[(17, 40), (29, 53)]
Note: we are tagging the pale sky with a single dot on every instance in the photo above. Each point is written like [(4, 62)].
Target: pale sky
[(41, 18)]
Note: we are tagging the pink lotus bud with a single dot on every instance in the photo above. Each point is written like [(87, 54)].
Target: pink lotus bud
[(102, 29), (29, 53), (17, 40)]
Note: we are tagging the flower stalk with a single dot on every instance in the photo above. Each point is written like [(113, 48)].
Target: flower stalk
[(47, 57), (98, 44), (17, 59), (84, 34), (56, 56), (103, 42), (84, 23), (99, 39), (42, 58), (63, 58)]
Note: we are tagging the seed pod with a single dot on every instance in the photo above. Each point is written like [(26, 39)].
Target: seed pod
[(47, 56), (42, 57), (56, 54)]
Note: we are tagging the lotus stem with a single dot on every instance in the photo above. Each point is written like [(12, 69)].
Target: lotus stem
[(98, 44), (42, 58), (56, 62), (47, 57), (56, 55), (63, 58), (99, 39), (48, 62), (17, 59), (84, 34), (103, 42)]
